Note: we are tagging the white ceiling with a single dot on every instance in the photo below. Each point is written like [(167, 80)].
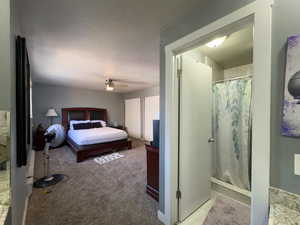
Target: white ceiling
[(235, 51), (81, 43)]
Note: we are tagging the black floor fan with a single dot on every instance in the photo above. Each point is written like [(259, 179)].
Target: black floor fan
[(48, 179)]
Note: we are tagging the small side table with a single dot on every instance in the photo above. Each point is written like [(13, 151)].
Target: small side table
[(39, 138)]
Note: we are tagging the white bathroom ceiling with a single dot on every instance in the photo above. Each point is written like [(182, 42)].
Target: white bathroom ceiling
[(235, 51), (82, 43)]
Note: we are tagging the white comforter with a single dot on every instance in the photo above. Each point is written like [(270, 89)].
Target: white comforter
[(96, 135)]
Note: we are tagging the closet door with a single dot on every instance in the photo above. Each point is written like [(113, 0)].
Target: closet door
[(133, 117), (195, 130), (151, 113)]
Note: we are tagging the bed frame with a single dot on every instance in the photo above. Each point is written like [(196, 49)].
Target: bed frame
[(86, 151)]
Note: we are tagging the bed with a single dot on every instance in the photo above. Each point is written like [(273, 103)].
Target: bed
[(86, 143)]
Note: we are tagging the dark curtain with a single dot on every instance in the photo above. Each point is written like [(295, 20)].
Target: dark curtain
[(22, 101)]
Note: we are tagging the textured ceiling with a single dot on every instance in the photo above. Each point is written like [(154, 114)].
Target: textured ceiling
[(81, 43)]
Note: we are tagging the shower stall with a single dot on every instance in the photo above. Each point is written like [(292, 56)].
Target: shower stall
[(231, 159)]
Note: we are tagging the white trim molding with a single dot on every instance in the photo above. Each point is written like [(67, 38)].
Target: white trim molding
[(29, 182), (261, 113), (162, 217), (25, 210), (259, 14)]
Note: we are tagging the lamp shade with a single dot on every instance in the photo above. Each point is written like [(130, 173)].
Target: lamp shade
[(51, 113)]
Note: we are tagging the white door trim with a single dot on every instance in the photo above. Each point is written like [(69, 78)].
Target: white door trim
[(260, 13)]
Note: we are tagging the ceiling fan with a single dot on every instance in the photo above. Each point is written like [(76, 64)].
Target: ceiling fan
[(111, 84)]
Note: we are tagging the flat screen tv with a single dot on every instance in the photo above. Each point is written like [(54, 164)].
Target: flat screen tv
[(155, 142), (23, 122)]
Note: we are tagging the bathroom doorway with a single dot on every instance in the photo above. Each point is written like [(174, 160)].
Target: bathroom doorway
[(208, 151), (215, 125)]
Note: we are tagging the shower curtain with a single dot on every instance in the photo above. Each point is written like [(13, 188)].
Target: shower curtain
[(232, 132)]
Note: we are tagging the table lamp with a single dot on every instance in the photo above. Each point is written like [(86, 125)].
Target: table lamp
[(51, 113)]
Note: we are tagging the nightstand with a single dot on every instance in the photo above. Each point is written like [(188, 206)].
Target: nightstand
[(39, 140)]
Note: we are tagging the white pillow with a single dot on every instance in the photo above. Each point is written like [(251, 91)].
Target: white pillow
[(103, 123), (76, 122)]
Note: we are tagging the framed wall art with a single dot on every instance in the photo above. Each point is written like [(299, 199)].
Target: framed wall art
[(291, 104)]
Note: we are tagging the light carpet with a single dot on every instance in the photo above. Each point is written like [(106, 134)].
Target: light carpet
[(93, 194), (227, 211)]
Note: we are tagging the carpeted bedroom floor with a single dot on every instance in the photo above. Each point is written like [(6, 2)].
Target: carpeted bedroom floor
[(93, 194)]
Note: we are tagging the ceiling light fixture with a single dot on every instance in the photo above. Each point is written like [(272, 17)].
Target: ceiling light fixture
[(216, 42), (109, 85)]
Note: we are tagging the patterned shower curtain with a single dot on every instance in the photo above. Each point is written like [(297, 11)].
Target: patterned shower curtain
[(232, 132)]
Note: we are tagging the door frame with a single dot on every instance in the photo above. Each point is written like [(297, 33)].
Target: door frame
[(260, 14)]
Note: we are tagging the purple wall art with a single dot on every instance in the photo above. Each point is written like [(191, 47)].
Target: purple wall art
[(291, 105)]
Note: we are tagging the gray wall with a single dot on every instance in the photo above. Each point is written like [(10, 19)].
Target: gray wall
[(153, 91), (286, 19), (199, 17), (5, 69), (9, 27), (20, 189), (46, 96), (5, 64)]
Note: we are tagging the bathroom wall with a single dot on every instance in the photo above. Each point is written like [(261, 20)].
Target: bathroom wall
[(217, 70), (244, 70)]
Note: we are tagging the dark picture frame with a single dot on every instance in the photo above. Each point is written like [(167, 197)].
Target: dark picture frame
[(23, 130)]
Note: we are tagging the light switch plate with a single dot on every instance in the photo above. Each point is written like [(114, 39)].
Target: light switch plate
[(297, 164)]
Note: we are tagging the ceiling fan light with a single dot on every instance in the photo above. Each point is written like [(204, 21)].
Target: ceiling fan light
[(109, 88), (109, 85)]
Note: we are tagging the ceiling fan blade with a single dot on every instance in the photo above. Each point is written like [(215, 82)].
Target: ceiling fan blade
[(123, 82), (129, 81), (122, 85)]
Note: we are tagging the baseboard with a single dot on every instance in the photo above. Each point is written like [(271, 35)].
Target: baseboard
[(231, 187), (25, 210), (30, 172), (29, 182), (162, 217), (231, 191)]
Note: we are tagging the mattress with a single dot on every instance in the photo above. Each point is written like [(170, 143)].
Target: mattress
[(96, 135)]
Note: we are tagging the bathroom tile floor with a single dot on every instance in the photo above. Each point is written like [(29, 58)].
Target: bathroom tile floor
[(199, 216)]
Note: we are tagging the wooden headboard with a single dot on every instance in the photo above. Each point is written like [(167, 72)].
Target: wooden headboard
[(82, 114)]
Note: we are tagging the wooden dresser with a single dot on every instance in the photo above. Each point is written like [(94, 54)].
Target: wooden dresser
[(152, 187)]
